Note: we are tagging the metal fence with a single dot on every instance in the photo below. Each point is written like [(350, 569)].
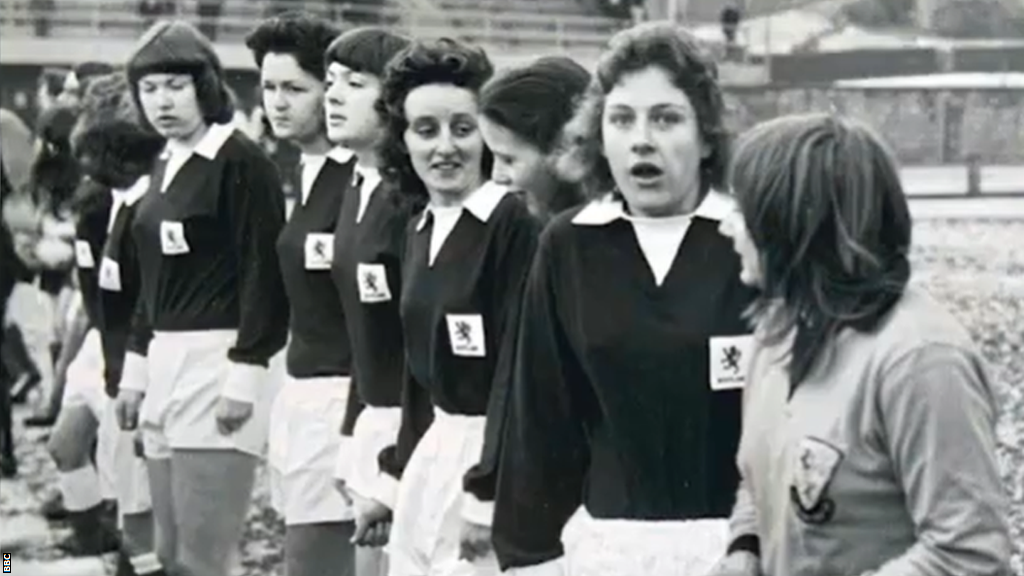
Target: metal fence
[(494, 28), (923, 126)]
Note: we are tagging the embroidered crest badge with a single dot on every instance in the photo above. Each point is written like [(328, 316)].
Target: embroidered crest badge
[(815, 466)]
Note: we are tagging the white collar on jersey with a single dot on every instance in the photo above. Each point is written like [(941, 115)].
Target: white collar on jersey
[(132, 194), (480, 203), (605, 210), (338, 154), (208, 146)]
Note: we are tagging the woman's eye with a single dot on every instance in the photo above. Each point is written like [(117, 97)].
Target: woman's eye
[(620, 119), (667, 119)]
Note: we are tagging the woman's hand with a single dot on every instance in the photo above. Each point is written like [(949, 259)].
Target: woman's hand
[(232, 415), (127, 409), (741, 563), (474, 541)]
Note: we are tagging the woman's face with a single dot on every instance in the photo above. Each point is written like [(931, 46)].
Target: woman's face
[(352, 120), (735, 228), (443, 138), (520, 165), (171, 105), (292, 97), (653, 144)]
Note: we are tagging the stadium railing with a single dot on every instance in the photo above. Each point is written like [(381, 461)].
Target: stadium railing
[(493, 29)]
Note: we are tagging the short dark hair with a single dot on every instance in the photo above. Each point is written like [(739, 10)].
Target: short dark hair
[(53, 80), (822, 200), (536, 100), (677, 52), (300, 34), (367, 49), (444, 61), (177, 47)]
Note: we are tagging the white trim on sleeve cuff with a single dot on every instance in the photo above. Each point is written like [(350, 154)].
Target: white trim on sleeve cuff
[(244, 382), (477, 511), (134, 373)]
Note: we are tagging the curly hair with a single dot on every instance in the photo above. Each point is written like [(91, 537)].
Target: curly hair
[(822, 200), (112, 141), (444, 61), (676, 51), (300, 34), (367, 49)]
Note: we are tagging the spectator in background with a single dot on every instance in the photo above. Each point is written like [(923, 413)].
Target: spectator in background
[(77, 81), (153, 10), (209, 12), (49, 87), (41, 12)]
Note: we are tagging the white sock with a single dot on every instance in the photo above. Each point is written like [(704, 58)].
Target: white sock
[(147, 563), (81, 488)]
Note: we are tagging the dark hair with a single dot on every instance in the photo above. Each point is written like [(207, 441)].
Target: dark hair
[(54, 174), (111, 140), (367, 50), (677, 52), (444, 61), (300, 34), (822, 200), (176, 47), (536, 100), (53, 80)]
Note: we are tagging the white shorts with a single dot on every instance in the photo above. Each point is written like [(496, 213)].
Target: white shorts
[(305, 437), (376, 429), (85, 384), (126, 479), (187, 371), (431, 504), (642, 548)]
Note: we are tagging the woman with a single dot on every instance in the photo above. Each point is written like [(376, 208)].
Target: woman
[(522, 113), (872, 447), (463, 268), (308, 411), (625, 409), (213, 295), (368, 243), (117, 152)]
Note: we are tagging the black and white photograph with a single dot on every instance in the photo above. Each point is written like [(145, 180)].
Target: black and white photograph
[(512, 287)]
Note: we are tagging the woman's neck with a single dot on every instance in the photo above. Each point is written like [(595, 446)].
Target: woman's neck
[(368, 158), (191, 140), (449, 199), (686, 205), (314, 146)]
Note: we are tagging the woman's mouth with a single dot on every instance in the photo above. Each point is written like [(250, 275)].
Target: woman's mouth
[(645, 174), (446, 168)]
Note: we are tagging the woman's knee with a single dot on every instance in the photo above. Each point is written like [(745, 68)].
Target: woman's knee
[(70, 443)]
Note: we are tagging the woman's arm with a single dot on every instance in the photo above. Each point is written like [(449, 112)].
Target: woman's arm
[(939, 419)]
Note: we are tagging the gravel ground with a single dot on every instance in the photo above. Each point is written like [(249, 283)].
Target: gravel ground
[(975, 267)]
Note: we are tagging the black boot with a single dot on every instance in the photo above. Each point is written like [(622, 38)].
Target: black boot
[(90, 533)]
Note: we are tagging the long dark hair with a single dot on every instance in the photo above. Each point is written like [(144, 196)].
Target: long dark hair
[(822, 200), (444, 61)]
